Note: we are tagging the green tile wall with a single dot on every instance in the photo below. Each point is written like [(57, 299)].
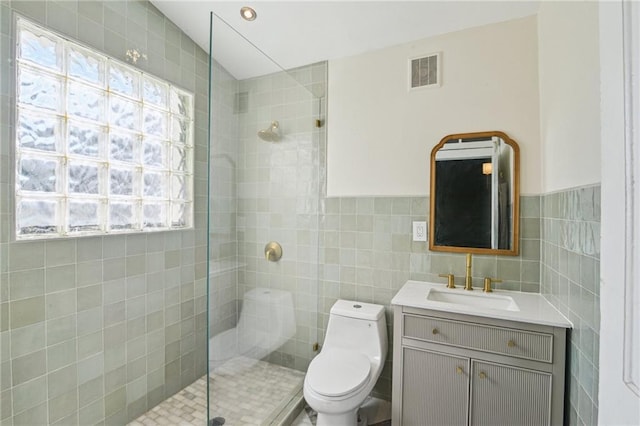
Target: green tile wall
[(570, 279), (100, 329), (367, 254)]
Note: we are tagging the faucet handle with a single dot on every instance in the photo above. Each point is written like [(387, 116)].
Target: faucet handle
[(450, 280), (273, 251), (487, 284)]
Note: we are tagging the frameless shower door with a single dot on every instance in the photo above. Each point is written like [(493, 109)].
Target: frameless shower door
[(266, 151)]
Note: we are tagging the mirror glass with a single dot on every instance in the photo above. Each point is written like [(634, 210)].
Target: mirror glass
[(475, 194)]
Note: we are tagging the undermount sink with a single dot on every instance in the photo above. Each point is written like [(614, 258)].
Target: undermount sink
[(473, 299), (500, 304)]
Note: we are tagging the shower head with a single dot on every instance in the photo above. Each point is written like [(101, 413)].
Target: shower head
[(272, 134)]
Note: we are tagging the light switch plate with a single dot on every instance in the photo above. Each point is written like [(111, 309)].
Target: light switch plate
[(419, 231)]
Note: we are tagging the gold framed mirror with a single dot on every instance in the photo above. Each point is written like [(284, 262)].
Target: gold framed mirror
[(475, 194)]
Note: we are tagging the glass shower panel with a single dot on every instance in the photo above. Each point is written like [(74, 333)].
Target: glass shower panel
[(264, 189)]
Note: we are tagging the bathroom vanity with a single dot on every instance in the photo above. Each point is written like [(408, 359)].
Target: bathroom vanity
[(472, 358)]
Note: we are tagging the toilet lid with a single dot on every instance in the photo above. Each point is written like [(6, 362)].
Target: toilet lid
[(337, 372)]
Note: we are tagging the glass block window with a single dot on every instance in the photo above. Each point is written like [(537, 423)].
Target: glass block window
[(101, 147)]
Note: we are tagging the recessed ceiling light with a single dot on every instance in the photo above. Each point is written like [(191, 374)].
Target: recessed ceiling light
[(248, 13)]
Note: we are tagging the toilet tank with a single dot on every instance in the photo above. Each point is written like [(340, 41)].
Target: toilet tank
[(357, 326)]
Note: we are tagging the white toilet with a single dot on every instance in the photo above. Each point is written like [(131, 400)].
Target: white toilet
[(343, 374)]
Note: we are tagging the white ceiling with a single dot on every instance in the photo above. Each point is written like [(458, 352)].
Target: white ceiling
[(296, 33)]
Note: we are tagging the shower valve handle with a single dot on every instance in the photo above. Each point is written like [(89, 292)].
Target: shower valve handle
[(273, 251)]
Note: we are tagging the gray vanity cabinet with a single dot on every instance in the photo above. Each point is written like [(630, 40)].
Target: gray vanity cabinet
[(427, 371), (500, 392), (453, 369)]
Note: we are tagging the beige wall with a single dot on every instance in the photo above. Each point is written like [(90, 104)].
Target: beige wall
[(380, 135), (569, 94)]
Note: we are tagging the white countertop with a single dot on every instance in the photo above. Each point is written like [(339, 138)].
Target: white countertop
[(532, 307)]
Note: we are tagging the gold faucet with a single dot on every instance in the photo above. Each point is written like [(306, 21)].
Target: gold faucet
[(467, 275), (487, 284), (450, 280)]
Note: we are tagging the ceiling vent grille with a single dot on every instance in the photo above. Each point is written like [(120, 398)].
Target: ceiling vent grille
[(424, 71)]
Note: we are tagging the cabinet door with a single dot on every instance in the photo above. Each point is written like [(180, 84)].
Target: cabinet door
[(505, 395), (435, 388)]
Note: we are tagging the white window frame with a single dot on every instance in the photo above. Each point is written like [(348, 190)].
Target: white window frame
[(151, 117)]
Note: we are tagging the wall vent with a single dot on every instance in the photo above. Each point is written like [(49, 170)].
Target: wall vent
[(424, 71)]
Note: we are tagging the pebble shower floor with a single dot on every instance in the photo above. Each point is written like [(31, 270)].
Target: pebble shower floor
[(243, 391)]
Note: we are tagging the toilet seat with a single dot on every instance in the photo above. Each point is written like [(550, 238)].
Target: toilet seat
[(338, 372)]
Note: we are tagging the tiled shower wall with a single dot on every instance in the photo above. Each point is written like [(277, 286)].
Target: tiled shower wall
[(223, 201), (367, 254), (278, 190), (102, 328), (570, 269)]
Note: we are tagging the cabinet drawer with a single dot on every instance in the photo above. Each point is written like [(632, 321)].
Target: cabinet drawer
[(505, 341)]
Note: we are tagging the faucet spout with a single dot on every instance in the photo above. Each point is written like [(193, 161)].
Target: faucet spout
[(467, 275)]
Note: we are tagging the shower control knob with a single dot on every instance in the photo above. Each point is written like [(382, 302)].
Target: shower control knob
[(273, 251)]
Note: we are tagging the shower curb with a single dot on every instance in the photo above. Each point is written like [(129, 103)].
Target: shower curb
[(290, 412)]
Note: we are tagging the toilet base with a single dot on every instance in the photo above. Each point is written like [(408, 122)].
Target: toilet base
[(350, 418), (362, 419)]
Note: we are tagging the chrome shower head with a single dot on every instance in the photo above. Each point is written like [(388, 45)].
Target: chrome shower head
[(272, 134)]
